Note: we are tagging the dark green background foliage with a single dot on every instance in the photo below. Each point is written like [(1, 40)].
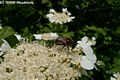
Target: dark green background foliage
[(99, 18)]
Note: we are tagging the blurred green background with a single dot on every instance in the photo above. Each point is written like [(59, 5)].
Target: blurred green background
[(99, 18)]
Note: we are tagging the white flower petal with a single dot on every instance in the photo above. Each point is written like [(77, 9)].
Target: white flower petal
[(92, 58), (68, 19), (89, 43), (64, 9), (82, 44), (60, 22), (79, 42), (72, 17), (85, 39), (54, 36), (111, 78), (18, 37), (49, 15), (88, 50), (38, 36), (93, 38), (86, 64), (51, 20), (52, 10), (5, 46), (69, 13)]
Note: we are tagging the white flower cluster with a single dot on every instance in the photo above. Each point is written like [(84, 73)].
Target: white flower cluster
[(60, 18), (89, 59), (46, 36), (116, 76), (34, 61)]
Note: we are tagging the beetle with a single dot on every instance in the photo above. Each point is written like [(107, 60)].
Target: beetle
[(65, 41)]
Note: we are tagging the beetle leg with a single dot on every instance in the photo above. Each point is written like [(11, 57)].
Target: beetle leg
[(64, 46), (68, 48)]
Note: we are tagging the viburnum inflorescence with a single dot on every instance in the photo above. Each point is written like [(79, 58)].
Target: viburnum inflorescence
[(60, 18), (35, 61)]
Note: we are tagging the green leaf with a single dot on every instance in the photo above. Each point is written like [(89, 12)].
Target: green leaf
[(6, 32), (118, 30), (44, 1), (12, 40), (117, 7), (49, 4), (98, 30), (65, 28), (1, 42), (40, 12), (68, 34), (46, 29)]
